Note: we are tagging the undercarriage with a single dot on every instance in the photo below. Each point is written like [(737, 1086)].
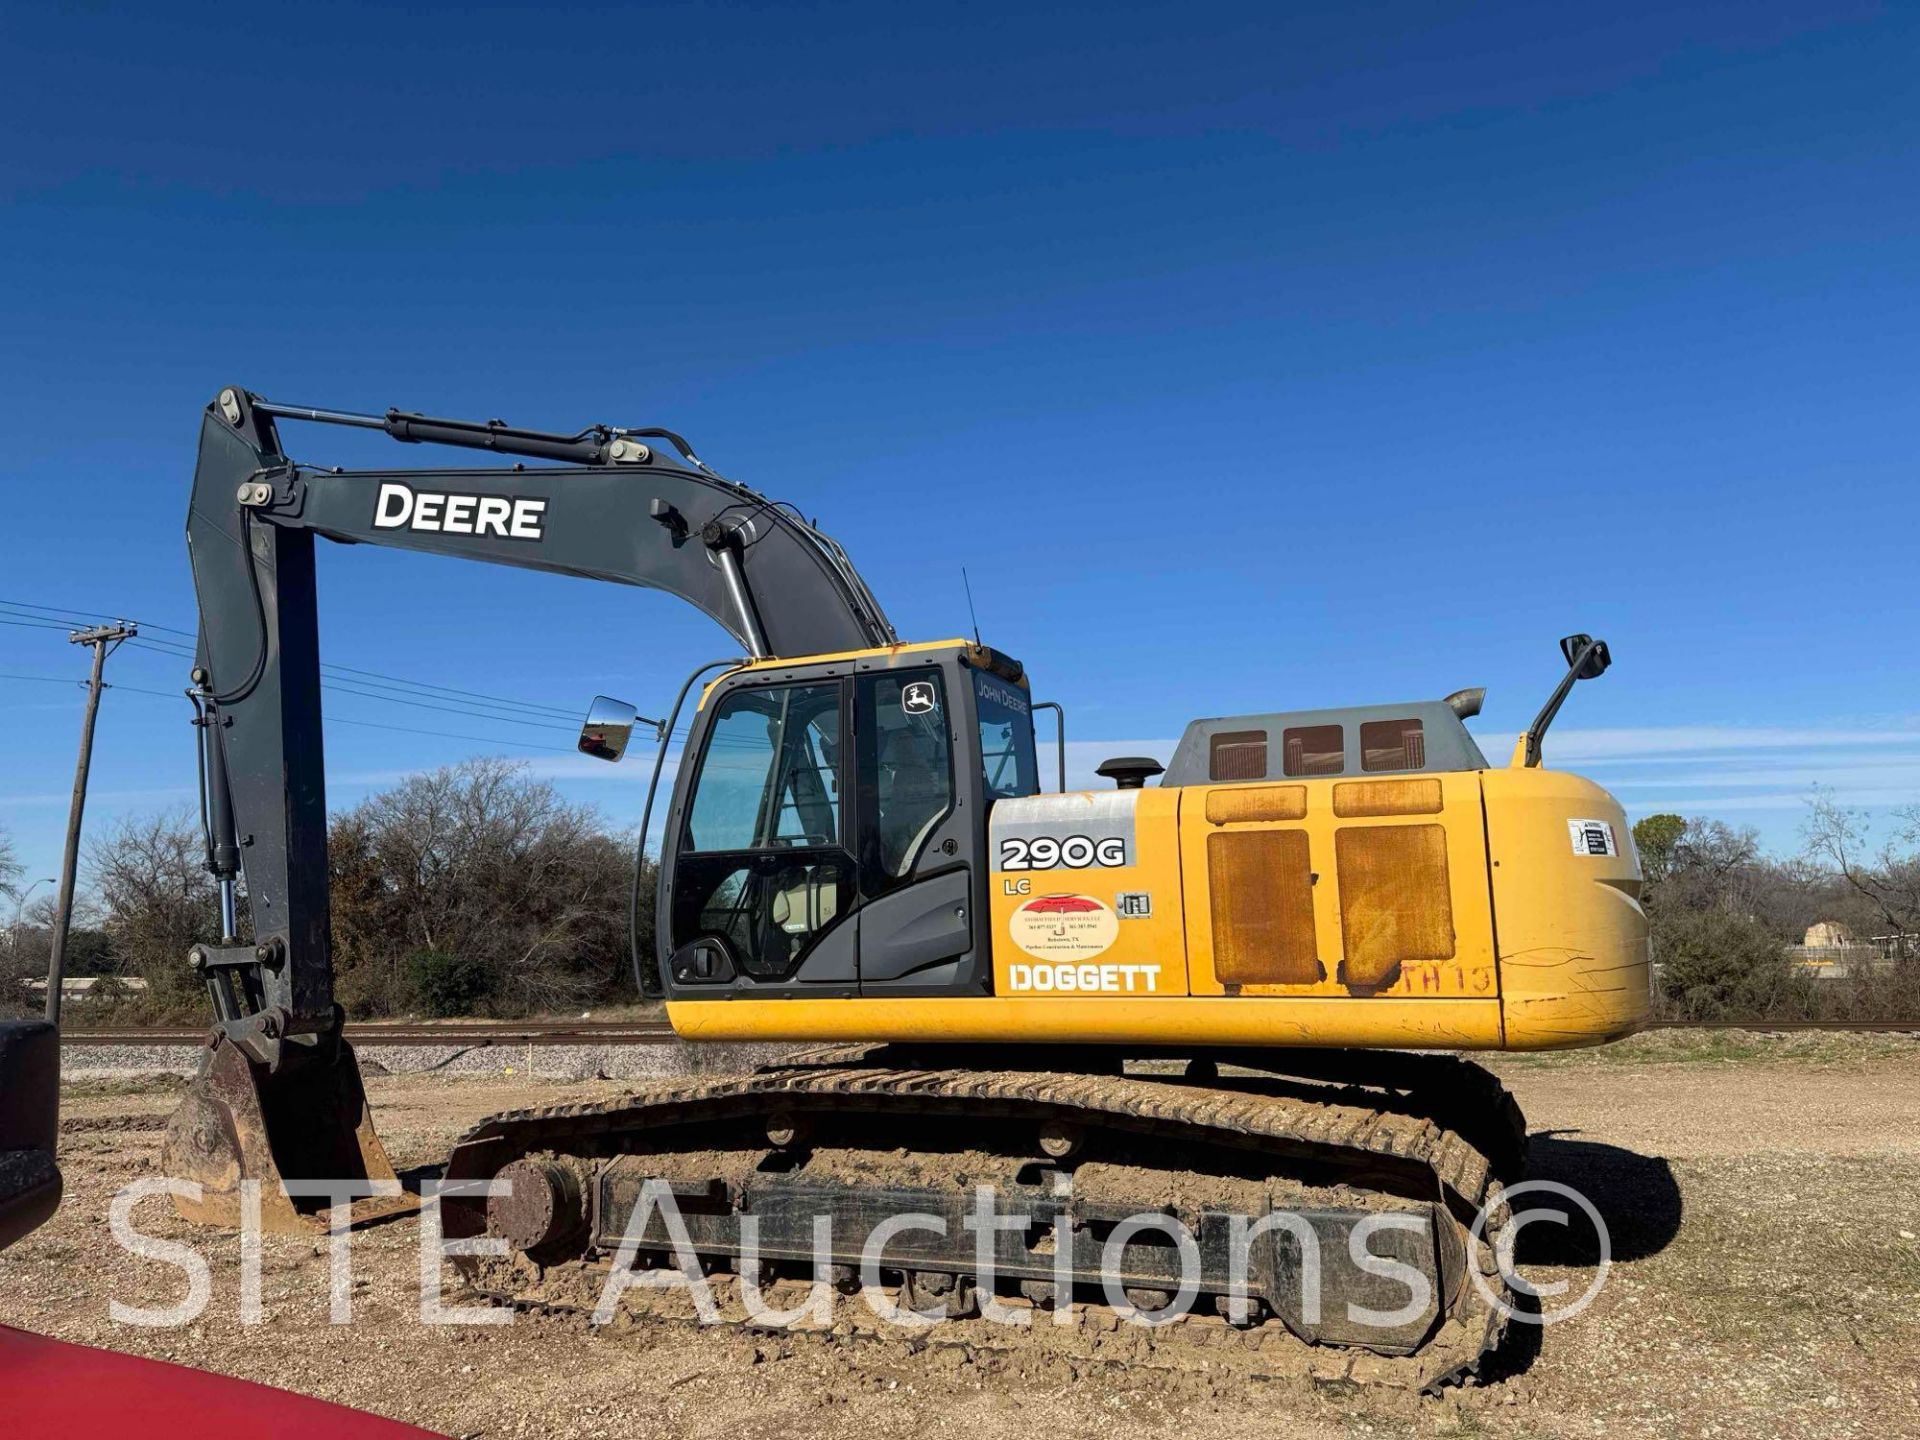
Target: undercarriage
[(1269, 1212)]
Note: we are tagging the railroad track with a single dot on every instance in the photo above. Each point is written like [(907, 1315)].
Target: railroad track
[(658, 1032), (476, 1034)]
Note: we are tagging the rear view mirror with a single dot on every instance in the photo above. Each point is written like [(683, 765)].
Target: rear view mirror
[(1596, 661), (1587, 659), (609, 726)]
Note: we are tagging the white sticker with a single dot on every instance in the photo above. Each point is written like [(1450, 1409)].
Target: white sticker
[(1064, 927), (1593, 837)]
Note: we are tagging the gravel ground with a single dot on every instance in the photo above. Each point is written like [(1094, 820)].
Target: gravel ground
[(1763, 1198)]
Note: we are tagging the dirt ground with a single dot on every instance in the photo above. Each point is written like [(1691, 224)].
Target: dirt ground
[(1763, 1198)]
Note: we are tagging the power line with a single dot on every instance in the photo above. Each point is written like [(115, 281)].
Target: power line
[(341, 687), (84, 617), (328, 719), (388, 682), (450, 690), (177, 648), (364, 684), (449, 735)]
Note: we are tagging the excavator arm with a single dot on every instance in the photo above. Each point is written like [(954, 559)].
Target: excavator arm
[(605, 503)]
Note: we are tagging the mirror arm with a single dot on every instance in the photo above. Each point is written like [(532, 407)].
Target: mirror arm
[(1536, 732)]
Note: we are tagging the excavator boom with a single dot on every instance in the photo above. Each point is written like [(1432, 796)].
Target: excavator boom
[(605, 503)]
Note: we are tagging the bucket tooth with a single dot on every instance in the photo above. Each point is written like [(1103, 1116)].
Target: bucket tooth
[(308, 1121)]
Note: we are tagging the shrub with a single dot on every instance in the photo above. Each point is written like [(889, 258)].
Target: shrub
[(447, 984), (1715, 965)]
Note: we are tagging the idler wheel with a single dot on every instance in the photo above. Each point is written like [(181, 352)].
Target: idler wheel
[(542, 1208)]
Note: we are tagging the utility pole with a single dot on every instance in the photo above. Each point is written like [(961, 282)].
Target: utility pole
[(102, 638)]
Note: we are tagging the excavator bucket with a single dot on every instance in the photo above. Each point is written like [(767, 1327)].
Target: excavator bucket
[(303, 1128)]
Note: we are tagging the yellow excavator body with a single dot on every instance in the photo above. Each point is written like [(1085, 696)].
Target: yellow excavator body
[(1479, 910)]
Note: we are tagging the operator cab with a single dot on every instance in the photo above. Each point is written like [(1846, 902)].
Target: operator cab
[(828, 830)]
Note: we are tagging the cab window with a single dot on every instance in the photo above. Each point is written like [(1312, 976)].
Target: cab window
[(907, 769), (769, 779), (762, 864), (1007, 763)]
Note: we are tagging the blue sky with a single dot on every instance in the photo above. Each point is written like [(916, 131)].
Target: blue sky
[(1249, 357)]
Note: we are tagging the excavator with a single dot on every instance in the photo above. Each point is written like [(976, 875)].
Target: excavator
[(1220, 993)]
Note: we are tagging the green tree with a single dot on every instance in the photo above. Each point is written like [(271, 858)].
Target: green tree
[(1655, 838)]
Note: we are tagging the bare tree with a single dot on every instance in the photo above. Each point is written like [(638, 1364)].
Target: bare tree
[(10, 868), (1886, 877), (474, 884), (158, 900)]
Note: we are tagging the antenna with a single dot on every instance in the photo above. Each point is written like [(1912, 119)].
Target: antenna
[(972, 614)]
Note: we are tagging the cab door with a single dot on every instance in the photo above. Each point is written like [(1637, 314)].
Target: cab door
[(763, 874), (912, 837)]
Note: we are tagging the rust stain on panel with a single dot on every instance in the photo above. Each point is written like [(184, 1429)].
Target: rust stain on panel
[(1260, 802), (1261, 893), (1387, 797), (1395, 905)]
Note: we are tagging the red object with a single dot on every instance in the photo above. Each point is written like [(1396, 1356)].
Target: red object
[(1061, 905), (76, 1392)]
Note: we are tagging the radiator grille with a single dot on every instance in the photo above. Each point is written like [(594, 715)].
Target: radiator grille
[(1394, 900), (1260, 887)]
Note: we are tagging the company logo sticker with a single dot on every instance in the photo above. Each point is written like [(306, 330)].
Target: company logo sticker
[(1064, 927)]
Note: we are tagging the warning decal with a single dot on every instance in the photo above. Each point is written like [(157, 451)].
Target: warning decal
[(1593, 837)]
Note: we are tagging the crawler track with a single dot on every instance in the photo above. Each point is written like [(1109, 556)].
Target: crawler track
[(1319, 1138)]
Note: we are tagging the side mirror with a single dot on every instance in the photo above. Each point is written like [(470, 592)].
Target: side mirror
[(609, 727), (1596, 657), (1587, 659)]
